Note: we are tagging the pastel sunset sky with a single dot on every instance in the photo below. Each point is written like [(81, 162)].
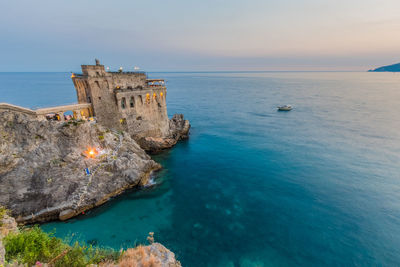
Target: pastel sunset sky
[(172, 35)]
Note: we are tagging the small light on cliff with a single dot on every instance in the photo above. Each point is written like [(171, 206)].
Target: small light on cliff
[(72, 75), (91, 152)]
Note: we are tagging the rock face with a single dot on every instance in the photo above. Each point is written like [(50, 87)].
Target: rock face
[(42, 166), (178, 130), (153, 255), (164, 255)]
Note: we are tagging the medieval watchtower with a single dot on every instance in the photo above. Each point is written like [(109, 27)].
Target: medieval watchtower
[(124, 100)]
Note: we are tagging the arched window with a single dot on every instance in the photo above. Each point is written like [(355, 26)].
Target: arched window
[(132, 102), (123, 103)]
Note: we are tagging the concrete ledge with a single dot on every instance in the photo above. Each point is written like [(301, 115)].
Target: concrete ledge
[(6, 106), (44, 111)]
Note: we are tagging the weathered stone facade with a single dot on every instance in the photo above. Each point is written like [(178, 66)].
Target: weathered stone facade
[(124, 100)]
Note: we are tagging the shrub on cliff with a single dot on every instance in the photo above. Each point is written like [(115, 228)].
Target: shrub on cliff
[(3, 211), (31, 245)]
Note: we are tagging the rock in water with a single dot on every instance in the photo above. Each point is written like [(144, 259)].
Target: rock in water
[(179, 127), (42, 166), (178, 130)]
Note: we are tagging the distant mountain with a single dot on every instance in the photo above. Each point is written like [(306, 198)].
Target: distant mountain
[(391, 68)]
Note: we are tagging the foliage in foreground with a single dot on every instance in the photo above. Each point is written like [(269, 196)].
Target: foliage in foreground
[(32, 245)]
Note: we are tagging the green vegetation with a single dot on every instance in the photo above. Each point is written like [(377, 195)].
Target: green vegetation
[(73, 122), (55, 162), (101, 137), (31, 245), (39, 137), (3, 211)]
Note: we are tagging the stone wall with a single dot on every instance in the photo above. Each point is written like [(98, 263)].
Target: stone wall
[(124, 101), (128, 79)]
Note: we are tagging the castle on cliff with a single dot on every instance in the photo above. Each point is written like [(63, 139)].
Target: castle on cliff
[(123, 100)]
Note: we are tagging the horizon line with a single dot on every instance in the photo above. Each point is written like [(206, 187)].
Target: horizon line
[(201, 71)]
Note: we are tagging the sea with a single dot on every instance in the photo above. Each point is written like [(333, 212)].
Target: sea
[(252, 186)]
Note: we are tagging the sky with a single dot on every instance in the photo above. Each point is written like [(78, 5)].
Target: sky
[(207, 35)]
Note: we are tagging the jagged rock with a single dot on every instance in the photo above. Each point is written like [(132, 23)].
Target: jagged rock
[(179, 127), (42, 166), (178, 130), (164, 255), (141, 256)]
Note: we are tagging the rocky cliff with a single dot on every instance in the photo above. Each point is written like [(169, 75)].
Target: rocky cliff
[(42, 166)]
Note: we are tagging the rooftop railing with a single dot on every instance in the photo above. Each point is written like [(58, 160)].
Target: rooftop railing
[(127, 72)]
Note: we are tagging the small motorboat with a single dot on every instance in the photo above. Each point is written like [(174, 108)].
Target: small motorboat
[(285, 108)]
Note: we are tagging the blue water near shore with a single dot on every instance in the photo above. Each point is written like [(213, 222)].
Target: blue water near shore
[(316, 186)]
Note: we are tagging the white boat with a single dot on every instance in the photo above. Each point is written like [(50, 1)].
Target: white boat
[(285, 108)]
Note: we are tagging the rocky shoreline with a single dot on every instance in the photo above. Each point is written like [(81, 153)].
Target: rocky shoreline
[(46, 175)]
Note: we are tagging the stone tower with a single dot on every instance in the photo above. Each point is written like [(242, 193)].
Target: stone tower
[(124, 100)]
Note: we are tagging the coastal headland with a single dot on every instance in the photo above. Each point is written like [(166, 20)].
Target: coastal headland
[(56, 166)]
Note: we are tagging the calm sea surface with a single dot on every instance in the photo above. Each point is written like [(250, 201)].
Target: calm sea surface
[(316, 186)]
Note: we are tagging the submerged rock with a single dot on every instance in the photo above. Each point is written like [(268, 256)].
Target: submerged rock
[(42, 166)]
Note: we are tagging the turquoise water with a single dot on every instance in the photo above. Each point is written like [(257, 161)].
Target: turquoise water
[(317, 186)]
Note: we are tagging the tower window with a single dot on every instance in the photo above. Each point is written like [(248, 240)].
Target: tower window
[(132, 102), (123, 103)]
